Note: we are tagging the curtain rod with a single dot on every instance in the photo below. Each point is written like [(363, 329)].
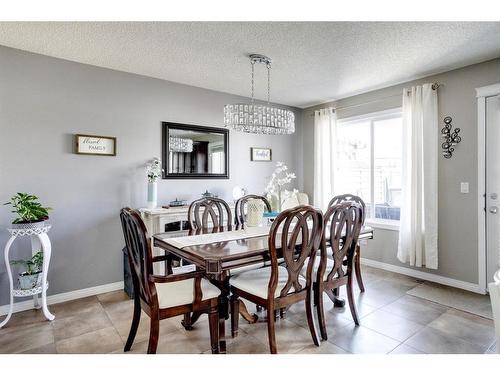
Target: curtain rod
[(434, 86)]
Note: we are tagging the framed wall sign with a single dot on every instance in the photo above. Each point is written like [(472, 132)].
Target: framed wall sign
[(95, 145), (260, 154)]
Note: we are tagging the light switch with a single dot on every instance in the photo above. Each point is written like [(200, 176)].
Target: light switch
[(464, 187)]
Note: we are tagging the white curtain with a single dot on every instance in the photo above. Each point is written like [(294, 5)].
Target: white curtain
[(419, 212), (325, 121)]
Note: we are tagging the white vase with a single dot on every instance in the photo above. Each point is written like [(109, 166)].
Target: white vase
[(273, 200), (255, 212), (152, 194)]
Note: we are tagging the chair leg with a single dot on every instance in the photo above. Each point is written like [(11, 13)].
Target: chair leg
[(169, 265), (330, 294), (235, 315), (310, 318), (271, 330), (318, 297), (186, 322), (190, 319), (213, 322), (334, 296), (154, 331), (357, 269), (283, 311), (135, 324), (350, 297)]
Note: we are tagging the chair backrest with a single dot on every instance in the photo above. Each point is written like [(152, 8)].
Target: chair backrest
[(297, 232), (240, 206), (215, 209), (349, 198), (342, 223), (139, 253)]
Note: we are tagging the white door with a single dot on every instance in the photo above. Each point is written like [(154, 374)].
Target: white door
[(492, 186)]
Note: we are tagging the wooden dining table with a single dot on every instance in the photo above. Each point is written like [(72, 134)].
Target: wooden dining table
[(218, 251)]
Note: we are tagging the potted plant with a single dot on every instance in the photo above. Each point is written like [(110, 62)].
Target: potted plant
[(33, 268), (30, 212)]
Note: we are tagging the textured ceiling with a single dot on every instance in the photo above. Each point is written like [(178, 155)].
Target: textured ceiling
[(312, 62)]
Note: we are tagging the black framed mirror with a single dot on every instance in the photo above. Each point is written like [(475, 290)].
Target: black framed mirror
[(191, 151)]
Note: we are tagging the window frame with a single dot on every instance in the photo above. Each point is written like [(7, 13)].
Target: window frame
[(373, 117)]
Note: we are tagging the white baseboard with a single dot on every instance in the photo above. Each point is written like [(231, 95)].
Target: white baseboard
[(63, 297), (424, 276), (92, 291)]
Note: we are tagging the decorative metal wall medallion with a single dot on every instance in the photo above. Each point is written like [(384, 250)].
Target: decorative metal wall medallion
[(451, 138)]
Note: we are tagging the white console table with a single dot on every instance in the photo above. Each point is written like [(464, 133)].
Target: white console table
[(156, 219), (39, 240)]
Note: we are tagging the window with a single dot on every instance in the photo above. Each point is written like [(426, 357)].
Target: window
[(216, 158), (368, 162)]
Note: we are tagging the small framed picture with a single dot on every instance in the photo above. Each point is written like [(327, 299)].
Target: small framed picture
[(260, 154), (95, 145)]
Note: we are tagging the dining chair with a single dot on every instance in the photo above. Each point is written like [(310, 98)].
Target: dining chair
[(205, 215), (240, 208), (241, 220), (357, 256), (342, 224), (296, 236), (209, 213), (163, 297)]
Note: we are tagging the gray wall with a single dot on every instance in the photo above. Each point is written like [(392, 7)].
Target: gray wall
[(458, 250), (44, 101)]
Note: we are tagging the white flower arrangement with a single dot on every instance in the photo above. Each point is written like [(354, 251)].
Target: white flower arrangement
[(279, 178), (154, 170)]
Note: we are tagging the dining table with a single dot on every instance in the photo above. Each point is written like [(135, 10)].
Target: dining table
[(219, 251)]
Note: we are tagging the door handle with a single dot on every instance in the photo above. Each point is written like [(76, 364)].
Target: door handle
[(494, 209)]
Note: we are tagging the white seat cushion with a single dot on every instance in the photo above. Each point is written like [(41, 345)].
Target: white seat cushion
[(182, 292), (329, 267), (256, 281)]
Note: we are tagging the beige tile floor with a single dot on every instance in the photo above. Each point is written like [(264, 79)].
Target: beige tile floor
[(391, 322)]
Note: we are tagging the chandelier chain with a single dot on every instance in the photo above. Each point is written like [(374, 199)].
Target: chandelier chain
[(268, 65), (253, 69)]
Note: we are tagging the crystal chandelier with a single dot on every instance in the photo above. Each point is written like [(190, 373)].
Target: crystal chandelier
[(176, 144), (259, 118)]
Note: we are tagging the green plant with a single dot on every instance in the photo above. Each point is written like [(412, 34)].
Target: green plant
[(33, 265), (27, 208)]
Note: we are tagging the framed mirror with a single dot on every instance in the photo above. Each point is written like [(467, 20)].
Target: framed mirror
[(191, 151)]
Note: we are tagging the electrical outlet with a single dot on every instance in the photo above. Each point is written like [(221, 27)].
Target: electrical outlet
[(464, 187)]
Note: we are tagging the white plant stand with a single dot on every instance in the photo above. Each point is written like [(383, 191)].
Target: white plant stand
[(39, 239)]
